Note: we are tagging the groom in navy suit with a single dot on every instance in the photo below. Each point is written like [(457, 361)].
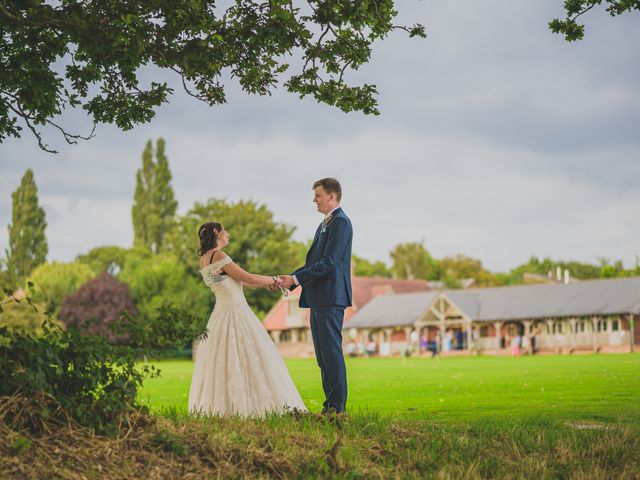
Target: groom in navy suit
[(326, 289)]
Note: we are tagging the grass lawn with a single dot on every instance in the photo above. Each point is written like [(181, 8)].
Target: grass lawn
[(453, 418), (601, 388), (446, 418)]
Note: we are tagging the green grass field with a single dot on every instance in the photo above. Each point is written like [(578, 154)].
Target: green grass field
[(584, 388), (548, 417)]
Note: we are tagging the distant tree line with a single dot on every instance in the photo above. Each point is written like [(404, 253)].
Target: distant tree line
[(413, 261), (161, 266)]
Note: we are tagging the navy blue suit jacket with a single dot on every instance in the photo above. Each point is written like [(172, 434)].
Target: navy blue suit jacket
[(326, 275)]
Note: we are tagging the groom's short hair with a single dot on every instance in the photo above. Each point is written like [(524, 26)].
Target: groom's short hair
[(330, 185)]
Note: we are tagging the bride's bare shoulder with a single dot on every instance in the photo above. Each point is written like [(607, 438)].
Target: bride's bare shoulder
[(210, 257), (219, 255)]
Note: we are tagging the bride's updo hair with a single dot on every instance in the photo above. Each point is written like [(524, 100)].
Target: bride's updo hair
[(208, 234)]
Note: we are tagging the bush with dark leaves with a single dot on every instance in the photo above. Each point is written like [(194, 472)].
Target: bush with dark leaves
[(87, 378)]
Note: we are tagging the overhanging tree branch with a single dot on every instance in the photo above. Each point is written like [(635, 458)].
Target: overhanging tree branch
[(574, 9), (106, 44)]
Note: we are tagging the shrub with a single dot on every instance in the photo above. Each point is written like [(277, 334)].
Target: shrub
[(21, 316), (5, 280), (154, 279), (57, 280), (74, 374), (96, 304)]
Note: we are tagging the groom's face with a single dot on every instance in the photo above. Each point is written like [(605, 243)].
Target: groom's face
[(323, 200)]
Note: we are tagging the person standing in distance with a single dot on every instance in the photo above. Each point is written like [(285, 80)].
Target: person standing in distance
[(326, 289)]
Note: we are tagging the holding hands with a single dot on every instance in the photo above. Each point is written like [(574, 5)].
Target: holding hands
[(282, 283), (286, 281)]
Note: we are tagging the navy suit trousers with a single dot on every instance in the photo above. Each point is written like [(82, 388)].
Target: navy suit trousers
[(326, 331)]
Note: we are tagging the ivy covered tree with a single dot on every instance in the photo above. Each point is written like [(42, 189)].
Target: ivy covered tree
[(154, 204), (28, 246), (103, 46)]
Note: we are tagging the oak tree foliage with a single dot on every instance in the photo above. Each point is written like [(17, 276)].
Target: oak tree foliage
[(60, 54), (572, 30)]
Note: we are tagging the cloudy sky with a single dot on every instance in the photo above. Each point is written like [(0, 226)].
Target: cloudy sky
[(497, 139)]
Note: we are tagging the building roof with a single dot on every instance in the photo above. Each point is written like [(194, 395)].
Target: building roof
[(392, 310), (363, 290), (366, 288), (276, 318), (440, 285), (591, 297)]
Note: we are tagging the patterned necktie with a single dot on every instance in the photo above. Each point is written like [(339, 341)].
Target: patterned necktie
[(326, 220)]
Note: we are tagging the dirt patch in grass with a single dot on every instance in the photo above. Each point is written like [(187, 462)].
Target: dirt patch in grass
[(588, 426)]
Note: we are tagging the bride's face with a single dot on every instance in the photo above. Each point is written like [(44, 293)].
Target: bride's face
[(223, 238)]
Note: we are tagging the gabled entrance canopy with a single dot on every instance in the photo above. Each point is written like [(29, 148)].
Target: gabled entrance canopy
[(442, 312)]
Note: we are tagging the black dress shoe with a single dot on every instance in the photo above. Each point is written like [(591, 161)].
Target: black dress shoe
[(329, 411), (335, 417)]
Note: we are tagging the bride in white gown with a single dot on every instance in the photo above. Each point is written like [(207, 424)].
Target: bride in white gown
[(238, 369)]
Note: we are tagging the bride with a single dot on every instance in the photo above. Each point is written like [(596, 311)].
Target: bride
[(238, 369)]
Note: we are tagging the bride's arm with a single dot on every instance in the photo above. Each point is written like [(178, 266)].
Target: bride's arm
[(246, 278)]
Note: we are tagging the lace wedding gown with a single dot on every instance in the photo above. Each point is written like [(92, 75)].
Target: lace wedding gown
[(238, 369)]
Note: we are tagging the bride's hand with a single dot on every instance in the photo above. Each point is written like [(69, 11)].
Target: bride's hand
[(272, 288), (277, 285)]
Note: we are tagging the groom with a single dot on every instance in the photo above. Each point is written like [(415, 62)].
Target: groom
[(326, 289)]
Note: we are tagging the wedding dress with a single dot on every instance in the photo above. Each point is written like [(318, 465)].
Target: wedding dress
[(238, 369)]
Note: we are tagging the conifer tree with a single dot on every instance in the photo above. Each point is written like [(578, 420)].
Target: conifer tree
[(163, 197), (154, 204), (141, 201), (27, 241)]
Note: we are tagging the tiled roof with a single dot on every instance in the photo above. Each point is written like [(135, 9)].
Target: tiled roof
[(363, 289), (277, 316), (590, 297)]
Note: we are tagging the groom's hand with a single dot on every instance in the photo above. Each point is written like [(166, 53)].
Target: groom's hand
[(274, 287), (286, 281)]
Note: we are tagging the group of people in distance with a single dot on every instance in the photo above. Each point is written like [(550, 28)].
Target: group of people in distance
[(519, 344)]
